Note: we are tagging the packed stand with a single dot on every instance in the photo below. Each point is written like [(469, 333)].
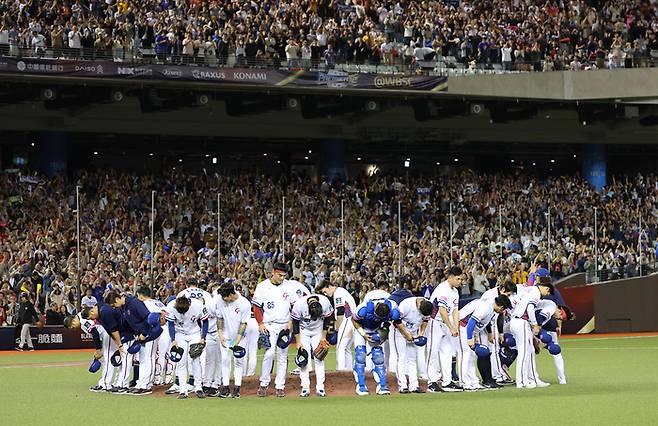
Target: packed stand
[(509, 35), (38, 256)]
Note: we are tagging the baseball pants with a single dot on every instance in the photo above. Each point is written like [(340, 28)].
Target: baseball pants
[(226, 355), (163, 365), (467, 358), (212, 372), (406, 369), (147, 361), (442, 347), (559, 362), (268, 358), (310, 342), (526, 369), (187, 366), (122, 379), (344, 345), (251, 345), (107, 370)]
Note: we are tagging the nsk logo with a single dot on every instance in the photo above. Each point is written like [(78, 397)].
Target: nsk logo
[(134, 71)]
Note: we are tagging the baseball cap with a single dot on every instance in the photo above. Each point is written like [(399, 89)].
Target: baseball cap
[(542, 272)]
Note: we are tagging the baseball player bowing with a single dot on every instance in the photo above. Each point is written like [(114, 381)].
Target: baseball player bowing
[(443, 332), (210, 358), (120, 337), (311, 317), (187, 320), (101, 345), (344, 305), (523, 326), (146, 329), (160, 345), (475, 321), (233, 311), (408, 335), (371, 322), (550, 317), (272, 302)]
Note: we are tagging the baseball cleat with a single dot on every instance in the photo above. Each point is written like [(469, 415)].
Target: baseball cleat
[(262, 391), (236, 392), (212, 392), (200, 394), (452, 387), (118, 390), (383, 390), (305, 393), (18, 348), (97, 389), (224, 392), (492, 385), (434, 388), (280, 393), (320, 393), (404, 390), (31, 349), (562, 382), (417, 390), (531, 385), (172, 390), (182, 395), (361, 390), (542, 384)]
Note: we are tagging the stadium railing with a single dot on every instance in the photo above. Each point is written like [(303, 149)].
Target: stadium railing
[(440, 65)]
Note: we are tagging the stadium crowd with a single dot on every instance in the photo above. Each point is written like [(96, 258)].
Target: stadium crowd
[(38, 256), (523, 35)]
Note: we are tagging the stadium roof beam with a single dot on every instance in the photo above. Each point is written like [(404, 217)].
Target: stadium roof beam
[(504, 112), (425, 109)]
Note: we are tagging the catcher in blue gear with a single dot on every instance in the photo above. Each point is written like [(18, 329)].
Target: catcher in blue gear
[(371, 322)]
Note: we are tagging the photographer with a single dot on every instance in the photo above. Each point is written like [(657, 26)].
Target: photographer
[(27, 316)]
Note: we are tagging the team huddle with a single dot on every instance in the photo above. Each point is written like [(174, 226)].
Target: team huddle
[(197, 339)]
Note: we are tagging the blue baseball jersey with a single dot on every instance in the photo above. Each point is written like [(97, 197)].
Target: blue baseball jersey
[(136, 315), (365, 314), (112, 320)]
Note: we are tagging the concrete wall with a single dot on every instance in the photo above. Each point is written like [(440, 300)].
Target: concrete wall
[(637, 83), (627, 305)]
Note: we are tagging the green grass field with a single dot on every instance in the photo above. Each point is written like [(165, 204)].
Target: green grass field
[(611, 381)]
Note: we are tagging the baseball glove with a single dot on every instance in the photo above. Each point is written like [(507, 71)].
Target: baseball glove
[(321, 350), (196, 349), (264, 341)]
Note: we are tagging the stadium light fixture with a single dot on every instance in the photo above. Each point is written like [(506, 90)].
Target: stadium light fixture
[(214, 160), (358, 158), (552, 161), (278, 161), (150, 154), (534, 164), (180, 160), (117, 96), (207, 155), (512, 160), (202, 99), (48, 94), (306, 158), (574, 156), (438, 163), (456, 160), (95, 152), (32, 144), (407, 163), (310, 151), (265, 154)]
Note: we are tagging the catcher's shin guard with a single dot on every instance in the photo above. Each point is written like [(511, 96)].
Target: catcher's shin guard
[(360, 365), (380, 365)]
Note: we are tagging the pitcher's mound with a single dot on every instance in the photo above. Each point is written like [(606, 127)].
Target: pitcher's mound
[(336, 383)]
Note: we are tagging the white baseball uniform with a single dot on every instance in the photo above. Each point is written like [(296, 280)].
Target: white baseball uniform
[(406, 351), (188, 332), (522, 318), (148, 354), (251, 345), (483, 313), (310, 335), (442, 345), (211, 372), (107, 370), (344, 301), (276, 302), (232, 314), (497, 371), (548, 308)]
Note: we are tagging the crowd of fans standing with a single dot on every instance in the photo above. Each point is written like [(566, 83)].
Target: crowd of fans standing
[(38, 244), (523, 35)]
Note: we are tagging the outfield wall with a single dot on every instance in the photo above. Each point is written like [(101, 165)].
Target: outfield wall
[(48, 337), (628, 305)]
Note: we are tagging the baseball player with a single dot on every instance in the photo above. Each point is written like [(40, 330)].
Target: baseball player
[(272, 302), (443, 332), (408, 336), (187, 320), (475, 322), (233, 312), (344, 304), (371, 323), (523, 326), (498, 371), (157, 361), (101, 344), (120, 336), (550, 317), (211, 371), (146, 329), (311, 317)]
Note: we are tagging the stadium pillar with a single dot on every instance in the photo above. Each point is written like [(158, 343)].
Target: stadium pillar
[(53, 150), (332, 162), (594, 165)]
